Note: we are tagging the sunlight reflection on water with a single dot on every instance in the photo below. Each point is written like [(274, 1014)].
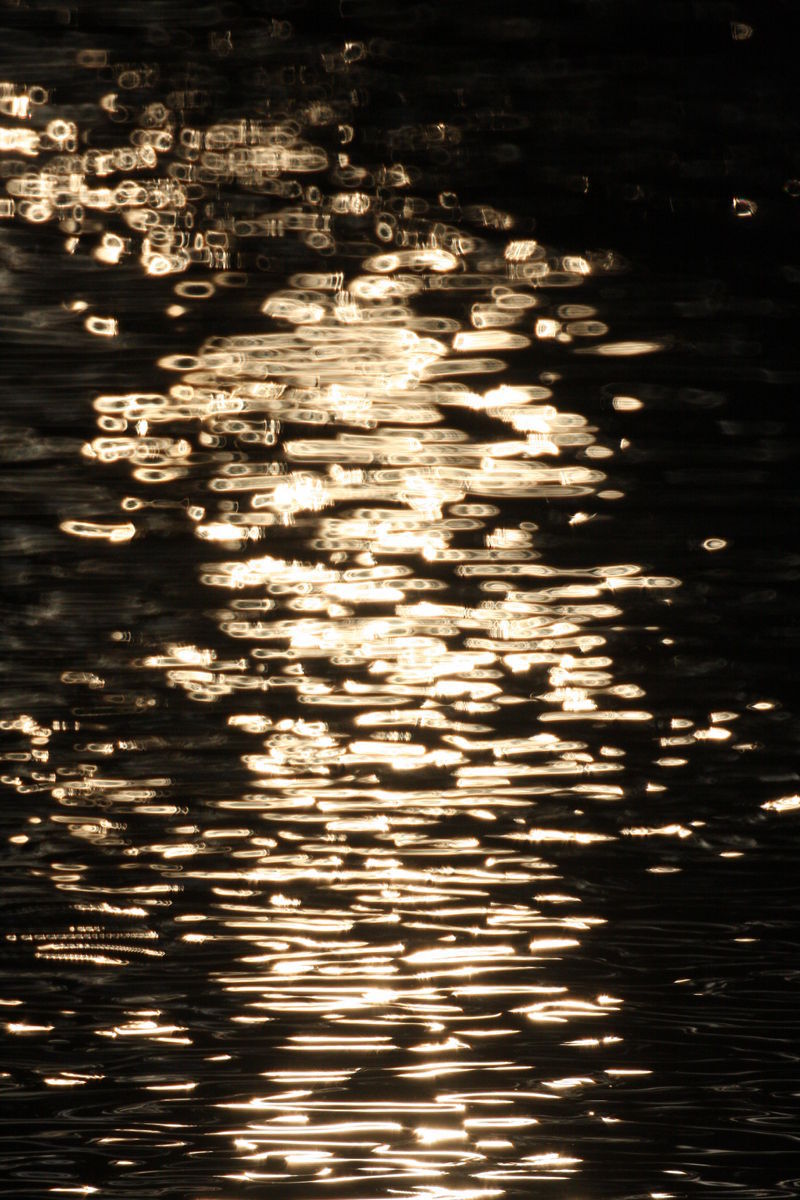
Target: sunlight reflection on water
[(401, 671)]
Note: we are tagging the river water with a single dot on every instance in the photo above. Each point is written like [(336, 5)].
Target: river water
[(399, 603)]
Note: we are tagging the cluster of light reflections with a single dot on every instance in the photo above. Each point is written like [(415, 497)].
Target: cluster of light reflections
[(411, 676)]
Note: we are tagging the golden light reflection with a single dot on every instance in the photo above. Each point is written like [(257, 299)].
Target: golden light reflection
[(404, 678)]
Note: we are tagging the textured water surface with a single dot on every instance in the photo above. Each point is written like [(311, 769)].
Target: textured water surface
[(398, 483)]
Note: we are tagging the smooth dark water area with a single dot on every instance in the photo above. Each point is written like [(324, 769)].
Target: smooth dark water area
[(399, 717)]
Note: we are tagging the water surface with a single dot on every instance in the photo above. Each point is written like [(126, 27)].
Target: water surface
[(397, 476)]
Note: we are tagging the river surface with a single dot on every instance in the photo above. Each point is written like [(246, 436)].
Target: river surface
[(399, 629)]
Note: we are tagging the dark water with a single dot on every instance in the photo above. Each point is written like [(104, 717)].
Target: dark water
[(399, 603)]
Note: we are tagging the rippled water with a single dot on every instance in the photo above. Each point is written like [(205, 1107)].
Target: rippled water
[(398, 479)]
